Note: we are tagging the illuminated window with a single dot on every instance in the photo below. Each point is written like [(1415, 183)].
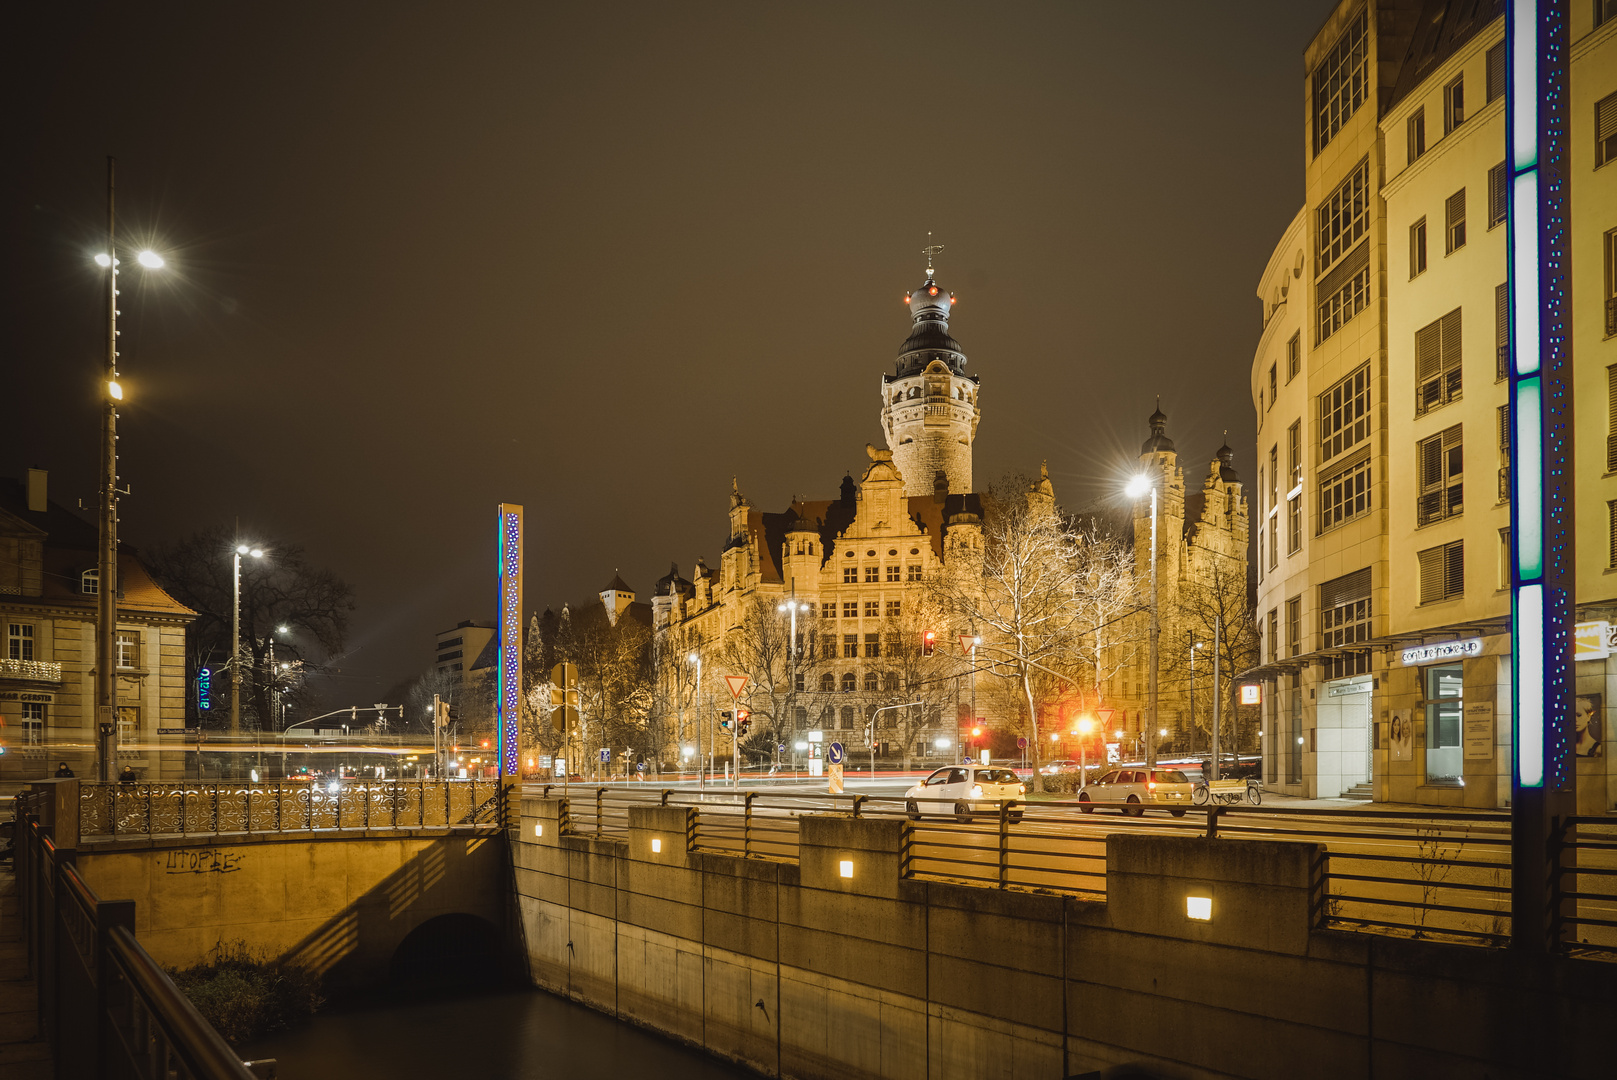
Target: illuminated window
[(20, 641), (1343, 218), (1454, 213), (1437, 363), (1340, 82), (1504, 554), (1442, 572), (1445, 697), (128, 650), (1605, 130), (1294, 480), (1454, 104), (1440, 461), (1415, 133), (850, 575), (33, 723), (1417, 248)]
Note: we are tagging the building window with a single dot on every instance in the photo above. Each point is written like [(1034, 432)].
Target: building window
[(444, 658), (889, 684), (872, 609), (1294, 625), (872, 574), (1605, 11), (1611, 418), (1441, 461), (799, 682), (850, 609), (1344, 414), (1344, 293), (1496, 72), (1294, 736), (1437, 363), (1274, 384), (1442, 572), (1610, 247), (1417, 248), (850, 646), (1340, 82), (1416, 133), (90, 582), (1344, 494), (1454, 105), (128, 650), (872, 645), (828, 683), (1343, 218), (912, 572), (128, 722), (20, 641), (1294, 356), (892, 573), (1274, 635), (850, 575), (1504, 555), (801, 717), (1605, 129), (33, 723), (1445, 691), (828, 610), (1504, 453), (1501, 329), (847, 710), (871, 684), (1454, 214), (850, 683), (1344, 617), (894, 608), (1294, 494), (1498, 194)]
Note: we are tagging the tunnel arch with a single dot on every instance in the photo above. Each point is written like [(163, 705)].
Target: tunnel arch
[(455, 948)]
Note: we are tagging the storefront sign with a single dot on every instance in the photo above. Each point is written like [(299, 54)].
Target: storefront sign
[(1443, 650), (1594, 640), (1479, 730), (39, 696), (1343, 687), (1251, 694)]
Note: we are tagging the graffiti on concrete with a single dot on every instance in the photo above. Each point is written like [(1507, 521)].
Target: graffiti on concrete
[(203, 861)]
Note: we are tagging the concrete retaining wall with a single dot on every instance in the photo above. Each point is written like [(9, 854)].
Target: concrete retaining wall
[(796, 970)]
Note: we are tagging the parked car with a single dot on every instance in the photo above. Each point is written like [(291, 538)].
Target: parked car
[(966, 789), (1060, 765), (1169, 789)]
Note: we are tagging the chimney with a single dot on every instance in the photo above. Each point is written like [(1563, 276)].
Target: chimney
[(36, 491)]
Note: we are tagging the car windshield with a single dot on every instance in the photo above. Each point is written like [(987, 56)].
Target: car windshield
[(997, 776), (1170, 776)]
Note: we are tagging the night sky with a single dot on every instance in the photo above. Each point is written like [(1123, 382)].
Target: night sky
[(595, 259)]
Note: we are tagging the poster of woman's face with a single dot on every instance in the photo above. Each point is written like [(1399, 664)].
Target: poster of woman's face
[(1402, 735), (1588, 723)]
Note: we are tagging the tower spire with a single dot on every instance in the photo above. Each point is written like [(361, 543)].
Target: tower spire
[(929, 251)]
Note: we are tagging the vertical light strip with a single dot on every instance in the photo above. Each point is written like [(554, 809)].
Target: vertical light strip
[(1527, 479), (1524, 68), (1524, 273), (1529, 646), (508, 671)]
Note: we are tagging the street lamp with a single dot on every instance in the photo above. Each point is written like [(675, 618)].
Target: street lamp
[(1085, 726), (793, 606), (1194, 645), (701, 778), (1137, 488), (235, 632), (106, 683)]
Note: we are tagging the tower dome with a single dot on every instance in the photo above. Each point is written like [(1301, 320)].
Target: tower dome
[(1158, 443), (929, 336)]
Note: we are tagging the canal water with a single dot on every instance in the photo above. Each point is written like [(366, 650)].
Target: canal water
[(515, 1034)]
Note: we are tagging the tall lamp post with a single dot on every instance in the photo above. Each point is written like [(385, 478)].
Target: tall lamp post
[(793, 606), (701, 777), (106, 682), (1138, 487), (235, 632)]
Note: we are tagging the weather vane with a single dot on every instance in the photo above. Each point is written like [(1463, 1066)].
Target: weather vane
[(930, 250)]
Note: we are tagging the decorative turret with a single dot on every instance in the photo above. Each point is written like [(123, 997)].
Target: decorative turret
[(929, 405)]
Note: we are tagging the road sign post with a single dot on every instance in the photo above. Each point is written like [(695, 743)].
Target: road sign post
[(735, 683), (833, 766)]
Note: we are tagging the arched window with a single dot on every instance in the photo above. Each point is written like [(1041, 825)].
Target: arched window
[(90, 581), (891, 682), (898, 395), (915, 391), (847, 717), (802, 717), (811, 547), (828, 683), (848, 682), (828, 717), (870, 681)]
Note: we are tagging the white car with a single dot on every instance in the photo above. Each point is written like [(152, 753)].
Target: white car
[(965, 789), (1169, 789)]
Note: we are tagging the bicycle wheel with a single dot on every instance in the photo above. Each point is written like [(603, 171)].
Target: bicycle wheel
[(1198, 794)]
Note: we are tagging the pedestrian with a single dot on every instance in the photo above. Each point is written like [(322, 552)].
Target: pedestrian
[(127, 776), (63, 772)]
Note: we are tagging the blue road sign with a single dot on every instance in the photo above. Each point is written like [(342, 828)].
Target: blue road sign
[(834, 754), (606, 755)]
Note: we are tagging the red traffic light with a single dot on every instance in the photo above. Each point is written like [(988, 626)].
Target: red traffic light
[(928, 641)]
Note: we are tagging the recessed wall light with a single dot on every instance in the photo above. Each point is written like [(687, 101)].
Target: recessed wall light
[(656, 845), (1199, 908), (846, 867)]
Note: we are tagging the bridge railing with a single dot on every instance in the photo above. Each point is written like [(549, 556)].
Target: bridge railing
[(107, 1008), (116, 811)]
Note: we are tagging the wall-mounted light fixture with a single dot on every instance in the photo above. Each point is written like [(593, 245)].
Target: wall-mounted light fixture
[(538, 830), (1199, 908), (846, 867), (656, 845)]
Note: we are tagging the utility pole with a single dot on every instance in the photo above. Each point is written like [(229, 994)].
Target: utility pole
[(1218, 626), (106, 682)]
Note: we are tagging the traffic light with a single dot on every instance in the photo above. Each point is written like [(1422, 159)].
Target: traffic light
[(724, 721), (743, 721), (929, 641), (976, 732)]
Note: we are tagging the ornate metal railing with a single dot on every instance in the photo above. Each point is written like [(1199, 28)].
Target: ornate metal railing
[(37, 670), (114, 811)]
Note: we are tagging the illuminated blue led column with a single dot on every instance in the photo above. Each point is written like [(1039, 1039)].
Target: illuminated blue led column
[(1542, 520), (508, 673)]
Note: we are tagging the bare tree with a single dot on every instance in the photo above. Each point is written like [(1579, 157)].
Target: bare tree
[(1217, 597), (614, 677)]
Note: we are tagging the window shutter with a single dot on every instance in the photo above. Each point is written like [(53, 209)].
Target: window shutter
[(1429, 351), (1504, 427), (1496, 71), (1454, 570), (1496, 194), (1431, 575), (1451, 340), (1455, 208), (1606, 118), (1345, 589)]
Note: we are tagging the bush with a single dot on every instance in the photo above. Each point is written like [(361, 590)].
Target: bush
[(1059, 784), (245, 996)]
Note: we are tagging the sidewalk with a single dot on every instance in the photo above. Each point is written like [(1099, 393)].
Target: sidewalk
[(23, 1054)]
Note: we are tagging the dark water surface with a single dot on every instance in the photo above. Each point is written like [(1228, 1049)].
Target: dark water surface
[(521, 1034)]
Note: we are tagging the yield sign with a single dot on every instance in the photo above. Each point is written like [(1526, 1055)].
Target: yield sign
[(1105, 715), (967, 641), (735, 683)]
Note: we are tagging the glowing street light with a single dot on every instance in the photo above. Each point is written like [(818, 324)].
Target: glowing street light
[(1137, 489), (256, 552)]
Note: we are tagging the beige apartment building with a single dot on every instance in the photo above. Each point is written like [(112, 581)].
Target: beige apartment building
[(1385, 589)]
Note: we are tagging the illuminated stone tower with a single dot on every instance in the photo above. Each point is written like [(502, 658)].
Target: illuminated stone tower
[(929, 407)]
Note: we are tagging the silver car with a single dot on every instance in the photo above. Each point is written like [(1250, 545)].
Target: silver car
[(1169, 789), (964, 790)]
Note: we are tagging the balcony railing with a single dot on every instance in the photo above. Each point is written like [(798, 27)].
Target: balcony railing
[(1504, 483), (37, 670), (1501, 361), (1611, 315)]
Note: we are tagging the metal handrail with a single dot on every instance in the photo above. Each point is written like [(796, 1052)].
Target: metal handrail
[(200, 1049)]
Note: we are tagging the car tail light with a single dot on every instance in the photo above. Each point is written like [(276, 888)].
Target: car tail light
[(1152, 785)]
